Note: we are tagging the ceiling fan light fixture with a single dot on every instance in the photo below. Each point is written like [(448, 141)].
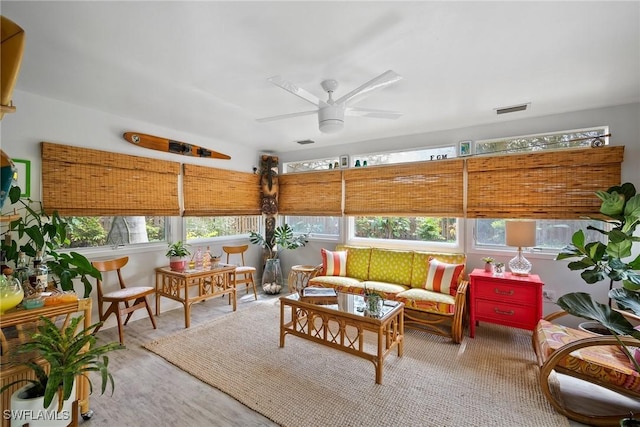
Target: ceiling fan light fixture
[(331, 119)]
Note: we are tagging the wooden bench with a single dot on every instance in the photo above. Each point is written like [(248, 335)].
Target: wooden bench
[(588, 357)]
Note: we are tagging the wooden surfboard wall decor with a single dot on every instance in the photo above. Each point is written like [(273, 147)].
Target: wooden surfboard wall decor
[(171, 146), (11, 50)]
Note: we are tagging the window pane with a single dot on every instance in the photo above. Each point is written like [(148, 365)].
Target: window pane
[(550, 234), (427, 229), (320, 226), (551, 141), (219, 226), (93, 231)]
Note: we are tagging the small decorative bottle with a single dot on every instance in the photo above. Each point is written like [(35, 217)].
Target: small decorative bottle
[(40, 275), (198, 259), (206, 259), (22, 269)]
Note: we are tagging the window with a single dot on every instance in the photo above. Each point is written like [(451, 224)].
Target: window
[(425, 229), (221, 226), (551, 235), (96, 231), (316, 226), (551, 141)]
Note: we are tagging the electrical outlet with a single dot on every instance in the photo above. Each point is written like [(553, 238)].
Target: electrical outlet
[(549, 295)]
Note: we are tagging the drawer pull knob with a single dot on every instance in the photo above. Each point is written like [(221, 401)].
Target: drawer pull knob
[(499, 292), (506, 313)]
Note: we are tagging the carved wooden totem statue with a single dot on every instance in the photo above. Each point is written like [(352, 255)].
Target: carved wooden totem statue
[(269, 186)]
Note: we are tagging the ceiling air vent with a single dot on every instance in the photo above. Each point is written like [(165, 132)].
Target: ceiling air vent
[(512, 109), (305, 141)]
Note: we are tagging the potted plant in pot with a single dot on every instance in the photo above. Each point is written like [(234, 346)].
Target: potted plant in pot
[(178, 253), (70, 355), (39, 232), (601, 261), (283, 237)]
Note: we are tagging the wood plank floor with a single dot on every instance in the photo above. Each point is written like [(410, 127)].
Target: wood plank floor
[(152, 392)]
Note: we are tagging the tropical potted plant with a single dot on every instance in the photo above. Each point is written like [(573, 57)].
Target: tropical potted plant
[(38, 231), (70, 355), (178, 253), (283, 237), (600, 261)]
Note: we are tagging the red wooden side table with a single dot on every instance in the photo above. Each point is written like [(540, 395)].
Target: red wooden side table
[(507, 300)]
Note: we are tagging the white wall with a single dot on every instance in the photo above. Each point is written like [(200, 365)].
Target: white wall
[(44, 119)]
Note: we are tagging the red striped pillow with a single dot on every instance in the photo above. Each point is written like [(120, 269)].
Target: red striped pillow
[(334, 263), (442, 277)]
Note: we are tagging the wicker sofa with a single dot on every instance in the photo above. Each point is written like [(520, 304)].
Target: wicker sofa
[(432, 286)]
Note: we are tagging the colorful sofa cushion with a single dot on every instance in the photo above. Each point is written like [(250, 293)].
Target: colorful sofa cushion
[(607, 364), (358, 259), (424, 300), (334, 263), (443, 277), (421, 265), (391, 266)]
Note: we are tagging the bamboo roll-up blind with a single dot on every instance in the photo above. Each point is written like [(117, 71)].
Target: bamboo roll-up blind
[(219, 192), (545, 185), (85, 182), (434, 188), (311, 193)]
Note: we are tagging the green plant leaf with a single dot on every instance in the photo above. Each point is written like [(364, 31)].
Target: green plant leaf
[(581, 304), (619, 249), (578, 240), (612, 203), (593, 276), (626, 299)]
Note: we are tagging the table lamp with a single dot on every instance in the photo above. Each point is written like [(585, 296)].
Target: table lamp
[(520, 233)]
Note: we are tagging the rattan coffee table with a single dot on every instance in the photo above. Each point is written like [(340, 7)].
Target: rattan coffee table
[(341, 324)]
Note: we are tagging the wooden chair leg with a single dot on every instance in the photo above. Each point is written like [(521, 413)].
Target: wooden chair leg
[(153, 320)]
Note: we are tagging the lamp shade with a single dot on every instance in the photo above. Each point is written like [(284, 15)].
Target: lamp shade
[(521, 234)]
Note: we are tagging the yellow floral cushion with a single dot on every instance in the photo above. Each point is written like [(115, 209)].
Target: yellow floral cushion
[(391, 266), (607, 364), (420, 265), (340, 284), (357, 261)]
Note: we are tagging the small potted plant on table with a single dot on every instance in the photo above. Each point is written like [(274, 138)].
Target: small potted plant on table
[(488, 264), (178, 254)]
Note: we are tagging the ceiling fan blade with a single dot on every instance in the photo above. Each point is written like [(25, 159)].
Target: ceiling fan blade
[(383, 80), (290, 87), (369, 112), (286, 116)]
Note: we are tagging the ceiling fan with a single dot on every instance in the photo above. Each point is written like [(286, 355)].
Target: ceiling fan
[(331, 112)]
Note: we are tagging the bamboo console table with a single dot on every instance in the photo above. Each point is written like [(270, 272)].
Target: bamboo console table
[(175, 285), (342, 325)]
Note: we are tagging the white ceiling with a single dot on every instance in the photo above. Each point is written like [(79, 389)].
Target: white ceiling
[(202, 67)]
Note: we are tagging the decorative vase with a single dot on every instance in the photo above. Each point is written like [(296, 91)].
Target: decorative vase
[(272, 277), (31, 410), (373, 305), (498, 270), (488, 267), (11, 293)]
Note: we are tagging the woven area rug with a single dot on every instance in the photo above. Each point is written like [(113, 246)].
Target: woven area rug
[(489, 380)]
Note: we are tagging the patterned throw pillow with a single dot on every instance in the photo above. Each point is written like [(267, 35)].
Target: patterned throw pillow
[(442, 277), (334, 263)]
